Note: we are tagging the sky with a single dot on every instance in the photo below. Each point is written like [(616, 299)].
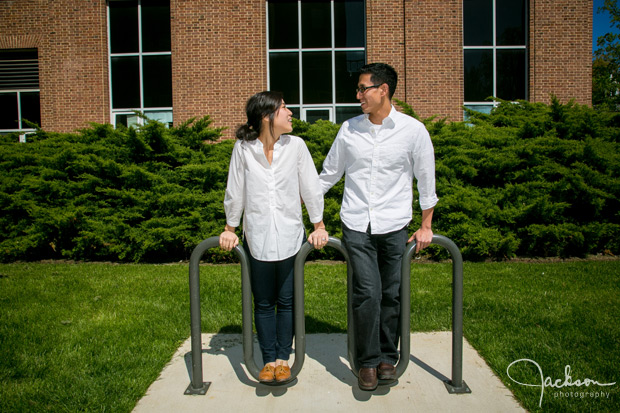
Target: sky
[(601, 23)]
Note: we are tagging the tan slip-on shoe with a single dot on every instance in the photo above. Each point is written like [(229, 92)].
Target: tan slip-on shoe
[(282, 373), (267, 374)]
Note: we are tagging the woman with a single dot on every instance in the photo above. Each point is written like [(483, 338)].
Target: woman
[(268, 173)]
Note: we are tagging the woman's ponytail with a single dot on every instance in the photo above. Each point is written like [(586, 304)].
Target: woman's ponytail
[(246, 132)]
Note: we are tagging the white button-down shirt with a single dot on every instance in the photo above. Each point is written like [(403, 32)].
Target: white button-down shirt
[(380, 162), (268, 196)]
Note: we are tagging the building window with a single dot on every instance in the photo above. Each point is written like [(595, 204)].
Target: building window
[(19, 91), (315, 50), (140, 61), (494, 51)]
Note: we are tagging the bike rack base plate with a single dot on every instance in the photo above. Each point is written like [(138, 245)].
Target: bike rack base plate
[(201, 391), (457, 390)]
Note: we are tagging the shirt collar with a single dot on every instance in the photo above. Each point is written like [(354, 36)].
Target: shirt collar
[(388, 122)]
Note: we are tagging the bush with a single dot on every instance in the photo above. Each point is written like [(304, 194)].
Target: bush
[(543, 178), (112, 194), (528, 180)]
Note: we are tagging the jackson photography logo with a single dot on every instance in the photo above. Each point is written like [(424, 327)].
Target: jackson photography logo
[(567, 382)]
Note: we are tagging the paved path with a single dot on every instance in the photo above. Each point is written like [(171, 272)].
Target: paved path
[(325, 383)]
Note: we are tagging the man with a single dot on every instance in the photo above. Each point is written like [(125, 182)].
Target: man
[(380, 152)]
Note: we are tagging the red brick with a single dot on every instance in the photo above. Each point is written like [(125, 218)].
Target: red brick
[(219, 55)]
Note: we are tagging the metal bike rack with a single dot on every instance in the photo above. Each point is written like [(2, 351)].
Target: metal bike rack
[(404, 306), (300, 321), (197, 386), (456, 385)]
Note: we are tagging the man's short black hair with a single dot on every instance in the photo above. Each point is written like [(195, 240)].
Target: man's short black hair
[(381, 73)]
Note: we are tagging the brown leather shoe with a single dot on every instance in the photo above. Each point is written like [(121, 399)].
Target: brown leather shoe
[(267, 374), (367, 378), (386, 371), (282, 373)]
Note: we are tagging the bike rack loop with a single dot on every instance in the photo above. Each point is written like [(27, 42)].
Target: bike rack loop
[(456, 385), (300, 321), (404, 306), (197, 386)]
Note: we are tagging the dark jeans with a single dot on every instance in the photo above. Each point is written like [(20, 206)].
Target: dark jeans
[(376, 263), (272, 287)]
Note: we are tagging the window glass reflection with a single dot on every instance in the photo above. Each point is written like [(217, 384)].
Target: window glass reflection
[(283, 27), (156, 26), (294, 110), (127, 120), (511, 70), (157, 77), (478, 22), (349, 28), (316, 24), (124, 26), (344, 113), (163, 116), (312, 115), (478, 75), (511, 21), (31, 107), (284, 75), (125, 82), (478, 108), (8, 114), (317, 79), (347, 74)]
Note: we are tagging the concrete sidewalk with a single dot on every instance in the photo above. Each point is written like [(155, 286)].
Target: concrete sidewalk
[(326, 383)]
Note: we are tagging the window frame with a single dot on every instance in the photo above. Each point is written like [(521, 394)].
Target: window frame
[(17, 91), (23, 131), (488, 105), (332, 106), (140, 54)]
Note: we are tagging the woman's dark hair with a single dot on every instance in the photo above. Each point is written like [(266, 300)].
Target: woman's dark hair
[(381, 73), (257, 107)]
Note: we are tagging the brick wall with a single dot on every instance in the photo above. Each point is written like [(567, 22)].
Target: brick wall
[(434, 55), (219, 54), (422, 40), (72, 45), (385, 38), (219, 59), (561, 50)]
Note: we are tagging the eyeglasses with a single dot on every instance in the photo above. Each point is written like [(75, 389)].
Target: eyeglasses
[(363, 89)]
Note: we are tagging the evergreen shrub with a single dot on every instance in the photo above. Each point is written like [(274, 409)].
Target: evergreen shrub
[(528, 180)]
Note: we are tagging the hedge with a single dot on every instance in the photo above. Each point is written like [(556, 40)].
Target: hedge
[(528, 180)]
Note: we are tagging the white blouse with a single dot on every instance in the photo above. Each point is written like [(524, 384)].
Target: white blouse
[(268, 196)]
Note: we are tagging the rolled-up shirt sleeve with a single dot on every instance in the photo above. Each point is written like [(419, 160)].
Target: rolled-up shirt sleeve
[(234, 199), (424, 170)]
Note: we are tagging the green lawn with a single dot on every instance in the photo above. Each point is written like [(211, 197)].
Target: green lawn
[(93, 337)]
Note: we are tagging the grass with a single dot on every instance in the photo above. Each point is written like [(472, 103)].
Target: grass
[(93, 337)]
